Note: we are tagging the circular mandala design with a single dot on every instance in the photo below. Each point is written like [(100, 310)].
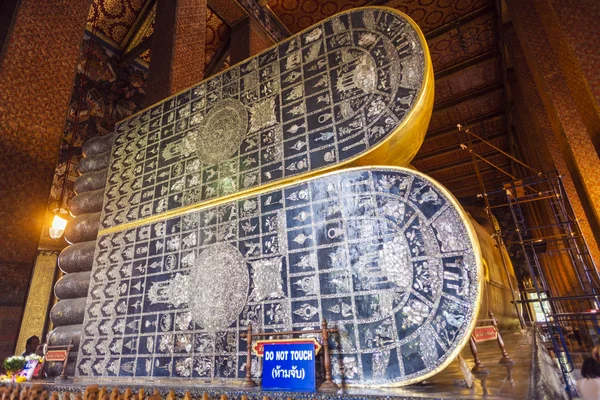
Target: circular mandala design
[(305, 21), (329, 8), (435, 17), (423, 281), (289, 5), (309, 6), (220, 281), (225, 128)]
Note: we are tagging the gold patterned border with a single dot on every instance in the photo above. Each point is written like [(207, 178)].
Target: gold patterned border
[(38, 299)]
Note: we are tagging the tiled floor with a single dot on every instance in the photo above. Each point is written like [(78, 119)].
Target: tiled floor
[(503, 381)]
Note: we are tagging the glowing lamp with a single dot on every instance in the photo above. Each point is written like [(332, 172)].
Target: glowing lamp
[(58, 227)]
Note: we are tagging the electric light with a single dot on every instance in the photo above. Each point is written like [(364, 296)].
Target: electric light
[(58, 227)]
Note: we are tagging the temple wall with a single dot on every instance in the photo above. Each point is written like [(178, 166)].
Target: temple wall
[(36, 77)]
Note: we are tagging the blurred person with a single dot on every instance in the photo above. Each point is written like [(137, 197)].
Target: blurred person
[(596, 353), (31, 346), (589, 385)]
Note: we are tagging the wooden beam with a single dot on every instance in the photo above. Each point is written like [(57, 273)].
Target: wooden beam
[(276, 17), (240, 40), (213, 65), (469, 96), (8, 10), (267, 20), (139, 21), (466, 186), (137, 51), (455, 147), (465, 19), (484, 171), (465, 191), (178, 61), (463, 185), (466, 64), (453, 129), (475, 189), (459, 163), (376, 3)]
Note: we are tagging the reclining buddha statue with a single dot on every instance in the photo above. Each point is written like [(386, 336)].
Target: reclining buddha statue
[(275, 194)]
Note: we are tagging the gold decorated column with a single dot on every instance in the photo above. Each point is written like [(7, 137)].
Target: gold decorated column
[(38, 300)]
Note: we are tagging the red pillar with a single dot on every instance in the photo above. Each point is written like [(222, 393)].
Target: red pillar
[(37, 70), (548, 56), (178, 48)]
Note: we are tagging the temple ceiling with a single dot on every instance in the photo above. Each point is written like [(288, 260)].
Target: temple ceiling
[(464, 46), (432, 14), (114, 19), (297, 15), (126, 24)]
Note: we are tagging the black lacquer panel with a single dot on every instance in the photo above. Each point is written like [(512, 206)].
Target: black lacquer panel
[(319, 99), (384, 254)]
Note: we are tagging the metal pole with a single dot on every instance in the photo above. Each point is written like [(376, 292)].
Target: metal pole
[(468, 131), (488, 211)]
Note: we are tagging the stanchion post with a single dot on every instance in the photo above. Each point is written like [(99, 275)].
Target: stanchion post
[(248, 382), (505, 357), (63, 372), (478, 368), (329, 385)]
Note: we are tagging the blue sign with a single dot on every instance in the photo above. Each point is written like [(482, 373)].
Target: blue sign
[(289, 367)]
